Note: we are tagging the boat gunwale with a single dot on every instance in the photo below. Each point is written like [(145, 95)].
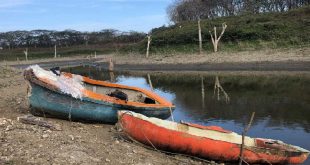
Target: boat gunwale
[(97, 97)]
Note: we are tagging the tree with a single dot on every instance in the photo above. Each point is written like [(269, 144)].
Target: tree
[(215, 40), (191, 10), (187, 10), (48, 38)]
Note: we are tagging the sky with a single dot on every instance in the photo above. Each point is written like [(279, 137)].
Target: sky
[(83, 15)]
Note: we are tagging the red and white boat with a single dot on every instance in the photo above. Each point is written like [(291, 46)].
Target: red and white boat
[(209, 142)]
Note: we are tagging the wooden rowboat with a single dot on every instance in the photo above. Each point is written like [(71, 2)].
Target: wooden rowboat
[(77, 97), (209, 142)]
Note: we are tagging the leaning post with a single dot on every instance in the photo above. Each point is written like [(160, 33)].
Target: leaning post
[(199, 36), (246, 129), (55, 51), (148, 45), (26, 54)]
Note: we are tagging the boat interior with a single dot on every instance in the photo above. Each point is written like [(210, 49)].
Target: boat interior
[(121, 93)]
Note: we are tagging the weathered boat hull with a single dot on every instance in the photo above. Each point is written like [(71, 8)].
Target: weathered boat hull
[(51, 103), (76, 97), (180, 141), (48, 102)]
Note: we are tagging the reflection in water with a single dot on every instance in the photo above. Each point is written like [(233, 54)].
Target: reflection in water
[(281, 103), (202, 93), (112, 77), (218, 87), (111, 65), (150, 81), (151, 86)]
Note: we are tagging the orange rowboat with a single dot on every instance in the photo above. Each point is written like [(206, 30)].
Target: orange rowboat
[(209, 142)]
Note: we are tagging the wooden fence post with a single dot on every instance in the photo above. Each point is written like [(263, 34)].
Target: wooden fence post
[(199, 36), (111, 65), (26, 54), (246, 129), (55, 52), (148, 45)]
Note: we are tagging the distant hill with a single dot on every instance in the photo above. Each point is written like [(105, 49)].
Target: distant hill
[(244, 32)]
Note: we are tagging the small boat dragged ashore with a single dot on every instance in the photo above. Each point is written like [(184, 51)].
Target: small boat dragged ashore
[(76, 97), (209, 142)]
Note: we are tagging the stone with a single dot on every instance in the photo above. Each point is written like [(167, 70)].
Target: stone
[(45, 136), (72, 137)]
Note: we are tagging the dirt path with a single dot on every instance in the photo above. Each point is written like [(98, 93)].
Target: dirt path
[(76, 143)]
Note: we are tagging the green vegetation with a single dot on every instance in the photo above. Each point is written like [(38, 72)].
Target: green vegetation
[(245, 32)]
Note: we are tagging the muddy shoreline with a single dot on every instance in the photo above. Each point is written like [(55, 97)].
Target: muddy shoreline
[(262, 60), (249, 66), (75, 143), (262, 66)]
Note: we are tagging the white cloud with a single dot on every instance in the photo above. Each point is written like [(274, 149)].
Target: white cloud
[(13, 3), (24, 11)]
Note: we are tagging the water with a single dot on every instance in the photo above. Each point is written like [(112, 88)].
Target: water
[(281, 102)]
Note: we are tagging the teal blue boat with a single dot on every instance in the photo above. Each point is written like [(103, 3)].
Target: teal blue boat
[(78, 98)]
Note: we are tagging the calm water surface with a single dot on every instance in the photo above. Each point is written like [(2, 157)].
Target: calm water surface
[(281, 102)]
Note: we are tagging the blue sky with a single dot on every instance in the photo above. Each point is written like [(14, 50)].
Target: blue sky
[(83, 15)]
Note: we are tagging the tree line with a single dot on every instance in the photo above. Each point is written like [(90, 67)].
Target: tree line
[(193, 10), (66, 38)]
